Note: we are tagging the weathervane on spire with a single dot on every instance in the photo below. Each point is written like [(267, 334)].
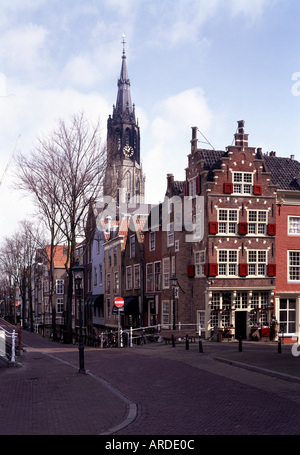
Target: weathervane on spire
[(124, 42)]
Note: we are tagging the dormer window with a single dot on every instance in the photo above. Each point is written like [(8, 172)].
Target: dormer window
[(242, 182)]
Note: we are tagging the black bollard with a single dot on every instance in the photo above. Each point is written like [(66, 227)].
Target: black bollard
[(240, 344), (279, 346), (173, 341), (187, 343), (200, 345)]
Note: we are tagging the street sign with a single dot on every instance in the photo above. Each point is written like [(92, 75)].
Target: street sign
[(116, 310), (119, 302)]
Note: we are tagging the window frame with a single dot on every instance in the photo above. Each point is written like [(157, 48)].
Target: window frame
[(226, 265), (227, 223), (289, 313), (257, 223), (289, 265), (128, 277), (59, 286), (157, 276), (149, 276), (199, 264), (290, 217), (170, 234), (136, 282), (166, 273), (257, 264), (243, 183), (152, 240)]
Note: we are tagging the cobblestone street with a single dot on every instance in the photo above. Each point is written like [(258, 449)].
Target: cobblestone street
[(149, 390)]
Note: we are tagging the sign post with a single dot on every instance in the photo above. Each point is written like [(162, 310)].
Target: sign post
[(119, 303)]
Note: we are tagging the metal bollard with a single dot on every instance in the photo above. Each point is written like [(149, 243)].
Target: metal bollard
[(279, 346), (13, 346), (173, 341), (187, 343), (200, 345), (130, 342), (240, 344)]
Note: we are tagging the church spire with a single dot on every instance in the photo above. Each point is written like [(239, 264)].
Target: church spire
[(124, 96)]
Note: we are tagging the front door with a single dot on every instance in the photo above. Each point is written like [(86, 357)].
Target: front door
[(241, 324)]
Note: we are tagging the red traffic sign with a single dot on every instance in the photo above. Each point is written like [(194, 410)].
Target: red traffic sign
[(119, 302)]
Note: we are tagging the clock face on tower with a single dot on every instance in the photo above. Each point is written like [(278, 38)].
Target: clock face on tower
[(128, 151)]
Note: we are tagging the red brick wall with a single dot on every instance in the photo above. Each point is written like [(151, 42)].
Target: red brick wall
[(285, 242)]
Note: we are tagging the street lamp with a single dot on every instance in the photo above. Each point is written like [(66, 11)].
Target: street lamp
[(78, 276), (173, 280)]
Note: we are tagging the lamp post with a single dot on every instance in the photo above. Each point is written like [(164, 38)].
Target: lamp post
[(173, 280), (78, 276)]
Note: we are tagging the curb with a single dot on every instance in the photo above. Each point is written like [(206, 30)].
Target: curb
[(246, 366), (132, 407)]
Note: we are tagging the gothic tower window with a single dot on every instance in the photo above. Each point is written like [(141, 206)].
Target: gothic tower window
[(127, 137), (118, 138)]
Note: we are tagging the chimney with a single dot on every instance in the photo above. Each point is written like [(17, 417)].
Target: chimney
[(170, 180), (194, 140), (241, 139)]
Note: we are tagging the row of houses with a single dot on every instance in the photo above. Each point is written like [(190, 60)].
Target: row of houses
[(221, 252)]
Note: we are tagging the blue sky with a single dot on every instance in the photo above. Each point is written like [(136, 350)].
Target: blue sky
[(204, 63)]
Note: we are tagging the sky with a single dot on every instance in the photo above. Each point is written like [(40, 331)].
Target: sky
[(204, 63)]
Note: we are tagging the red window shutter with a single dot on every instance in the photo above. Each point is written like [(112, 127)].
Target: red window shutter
[(243, 269), (186, 188), (198, 185), (272, 270), (213, 227), (243, 228), (191, 271), (271, 229), (213, 269), (228, 188), (257, 190)]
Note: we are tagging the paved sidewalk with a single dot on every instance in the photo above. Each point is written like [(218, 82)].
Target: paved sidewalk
[(47, 395)]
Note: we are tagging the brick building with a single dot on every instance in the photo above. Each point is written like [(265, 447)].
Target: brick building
[(234, 263), (285, 174), (133, 274), (219, 242)]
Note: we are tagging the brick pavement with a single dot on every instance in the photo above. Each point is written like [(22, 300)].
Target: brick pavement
[(149, 390)]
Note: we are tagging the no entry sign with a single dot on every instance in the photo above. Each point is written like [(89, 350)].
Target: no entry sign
[(119, 302)]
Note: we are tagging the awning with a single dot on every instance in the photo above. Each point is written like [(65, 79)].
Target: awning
[(94, 300), (131, 305)]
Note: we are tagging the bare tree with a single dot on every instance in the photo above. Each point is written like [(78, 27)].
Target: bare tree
[(17, 258), (11, 265), (65, 173), (32, 239)]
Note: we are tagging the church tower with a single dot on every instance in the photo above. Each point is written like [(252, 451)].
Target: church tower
[(124, 179)]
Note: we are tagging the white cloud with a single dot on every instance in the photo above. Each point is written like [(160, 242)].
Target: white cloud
[(171, 130), (251, 9), (21, 48), (179, 112), (80, 71), (182, 21)]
